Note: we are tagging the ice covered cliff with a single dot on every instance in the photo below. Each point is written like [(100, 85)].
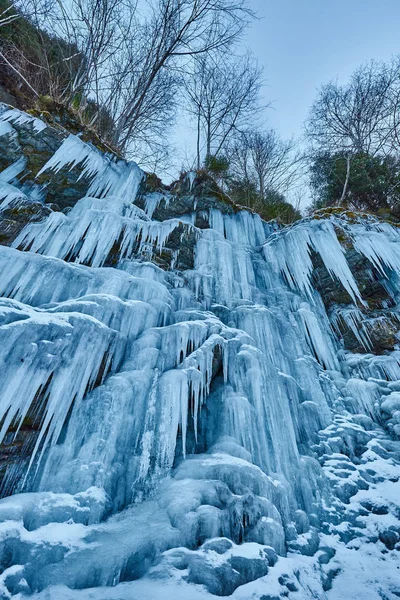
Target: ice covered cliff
[(194, 403)]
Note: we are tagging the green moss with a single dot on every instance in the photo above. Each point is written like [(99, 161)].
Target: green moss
[(153, 183)]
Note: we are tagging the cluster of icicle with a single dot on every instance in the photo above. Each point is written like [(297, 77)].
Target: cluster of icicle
[(173, 407)]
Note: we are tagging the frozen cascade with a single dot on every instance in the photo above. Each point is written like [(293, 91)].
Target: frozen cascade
[(290, 254), (109, 177), (91, 230), (199, 432)]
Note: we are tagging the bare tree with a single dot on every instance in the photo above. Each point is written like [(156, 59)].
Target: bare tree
[(352, 117), (31, 9), (34, 11), (127, 64), (175, 30), (96, 29), (355, 118), (223, 97), (268, 163)]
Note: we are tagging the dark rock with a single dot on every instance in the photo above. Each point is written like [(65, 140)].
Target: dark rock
[(221, 581), (249, 568), (346, 490), (285, 581), (183, 200), (389, 537), (375, 509), (328, 579), (326, 555), (220, 546), (63, 189), (270, 555), (14, 218), (368, 281), (6, 97), (307, 546)]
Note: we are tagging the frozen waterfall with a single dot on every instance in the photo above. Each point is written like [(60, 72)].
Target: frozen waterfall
[(199, 432)]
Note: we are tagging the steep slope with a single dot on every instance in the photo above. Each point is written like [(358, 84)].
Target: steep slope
[(194, 403)]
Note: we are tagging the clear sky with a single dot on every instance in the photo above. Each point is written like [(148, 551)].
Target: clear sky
[(304, 43)]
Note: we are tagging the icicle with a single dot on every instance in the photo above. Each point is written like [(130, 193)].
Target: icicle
[(191, 176), (319, 343), (380, 244), (89, 233), (352, 318), (20, 118), (49, 358), (243, 228), (10, 195), (13, 170), (110, 177), (153, 200), (288, 251)]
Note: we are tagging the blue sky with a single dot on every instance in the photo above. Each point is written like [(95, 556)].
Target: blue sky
[(304, 43)]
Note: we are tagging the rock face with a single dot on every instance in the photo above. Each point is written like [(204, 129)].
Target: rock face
[(194, 403)]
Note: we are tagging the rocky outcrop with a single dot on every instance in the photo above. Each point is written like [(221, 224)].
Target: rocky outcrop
[(32, 147), (14, 219), (375, 316)]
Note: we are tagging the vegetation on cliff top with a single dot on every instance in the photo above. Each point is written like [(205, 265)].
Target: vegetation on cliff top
[(124, 77)]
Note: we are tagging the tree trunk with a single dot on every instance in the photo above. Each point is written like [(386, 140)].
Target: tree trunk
[(261, 185), (346, 182), (198, 141), (208, 152)]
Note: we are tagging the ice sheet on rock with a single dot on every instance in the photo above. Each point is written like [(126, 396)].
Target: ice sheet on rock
[(95, 228), (49, 362), (152, 201), (115, 204), (109, 176), (289, 252), (390, 412), (223, 271), (229, 409), (242, 228), (136, 415), (38, 510), (366, 396), (18, 117), (96, 554), (143, 269), (384, 367), (129, 317), (39, 280)]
